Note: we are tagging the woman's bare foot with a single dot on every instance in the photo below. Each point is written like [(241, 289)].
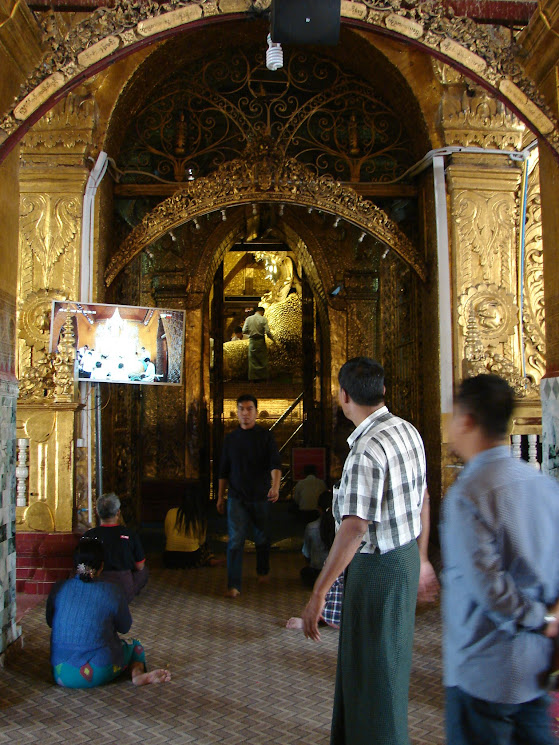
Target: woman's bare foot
[(232, 592), (294, 623), (263, 579), (140, 678), (213, 562)]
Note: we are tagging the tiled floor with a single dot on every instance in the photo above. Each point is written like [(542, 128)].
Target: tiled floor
[(238, 675)]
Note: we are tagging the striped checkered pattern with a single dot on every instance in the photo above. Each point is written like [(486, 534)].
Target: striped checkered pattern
[(332, 612), (383, 481)]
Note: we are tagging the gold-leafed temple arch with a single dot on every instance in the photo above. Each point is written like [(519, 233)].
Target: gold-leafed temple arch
[(487, 57), (263, 176)]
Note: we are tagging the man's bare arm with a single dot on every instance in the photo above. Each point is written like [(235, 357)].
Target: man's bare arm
[(273, 494), (428, 582)]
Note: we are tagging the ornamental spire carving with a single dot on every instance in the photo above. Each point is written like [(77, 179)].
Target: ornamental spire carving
[(64, 363)]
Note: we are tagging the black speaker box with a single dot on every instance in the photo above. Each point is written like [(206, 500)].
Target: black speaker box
[(306, 21)]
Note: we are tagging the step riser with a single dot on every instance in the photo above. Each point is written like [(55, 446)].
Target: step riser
[(42, 559)]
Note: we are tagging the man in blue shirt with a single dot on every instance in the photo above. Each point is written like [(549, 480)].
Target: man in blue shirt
[(499, 532)]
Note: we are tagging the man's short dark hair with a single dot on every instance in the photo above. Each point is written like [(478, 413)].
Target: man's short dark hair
[(309, 469), (260, 308), (362, 378), (489, 400), (247, 397)]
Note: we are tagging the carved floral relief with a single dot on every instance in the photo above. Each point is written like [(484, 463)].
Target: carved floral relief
[(49, 225), (485, 230), (533, 306)]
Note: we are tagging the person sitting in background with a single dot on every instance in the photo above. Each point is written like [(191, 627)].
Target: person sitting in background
[(86, 615), (319, 536), (307, 492), (185, 533), (149, 374), (98, 372), (238, 334), (124, 556)]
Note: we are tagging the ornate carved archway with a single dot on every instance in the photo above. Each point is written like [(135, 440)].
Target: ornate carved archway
[(263, 175), (115, 32)]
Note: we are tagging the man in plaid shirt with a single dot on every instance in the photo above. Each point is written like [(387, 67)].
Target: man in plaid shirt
[(377, 508)]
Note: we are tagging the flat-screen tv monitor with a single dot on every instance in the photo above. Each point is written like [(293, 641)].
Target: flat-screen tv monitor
[(123, 343)]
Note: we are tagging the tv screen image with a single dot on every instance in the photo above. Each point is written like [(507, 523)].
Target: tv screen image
[(123, 343)]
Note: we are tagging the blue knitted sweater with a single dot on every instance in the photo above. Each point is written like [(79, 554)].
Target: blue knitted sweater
[(85, 618)]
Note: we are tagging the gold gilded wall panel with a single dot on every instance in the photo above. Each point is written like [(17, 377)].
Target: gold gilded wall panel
[(482, 224), (51, 473), (50, 207), (362, 303), (400, 321), (50, 216), (484, 231), (485, 201), (49, 228)]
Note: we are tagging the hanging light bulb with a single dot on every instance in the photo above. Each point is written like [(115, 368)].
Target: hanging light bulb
[(274, 55)]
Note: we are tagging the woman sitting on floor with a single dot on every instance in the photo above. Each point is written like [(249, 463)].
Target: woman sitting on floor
[(86, 614), (185, 533)]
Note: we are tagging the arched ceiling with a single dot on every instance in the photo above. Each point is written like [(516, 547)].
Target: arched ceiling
[(237, 51), (481, 52), (346, 111)]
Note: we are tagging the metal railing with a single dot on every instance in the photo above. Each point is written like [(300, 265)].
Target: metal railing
[(291, 437), (287, 412), (285, 483)]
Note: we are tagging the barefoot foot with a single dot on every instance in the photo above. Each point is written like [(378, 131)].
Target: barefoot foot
[(263, 579), (154, 676), (232, 592), (294, 623)]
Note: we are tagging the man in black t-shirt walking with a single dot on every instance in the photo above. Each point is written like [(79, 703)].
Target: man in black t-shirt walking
[(250, 471)]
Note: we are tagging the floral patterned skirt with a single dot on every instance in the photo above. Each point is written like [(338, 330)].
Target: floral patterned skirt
[(89, 676)]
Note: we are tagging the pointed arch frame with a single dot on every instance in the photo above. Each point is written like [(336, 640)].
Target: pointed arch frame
[(264, 176), (129, 26)]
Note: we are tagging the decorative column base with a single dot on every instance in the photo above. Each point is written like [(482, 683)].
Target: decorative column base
[(549, 389)]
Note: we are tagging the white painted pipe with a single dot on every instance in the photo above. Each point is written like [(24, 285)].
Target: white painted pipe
[(445, 305), (86, 296)]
